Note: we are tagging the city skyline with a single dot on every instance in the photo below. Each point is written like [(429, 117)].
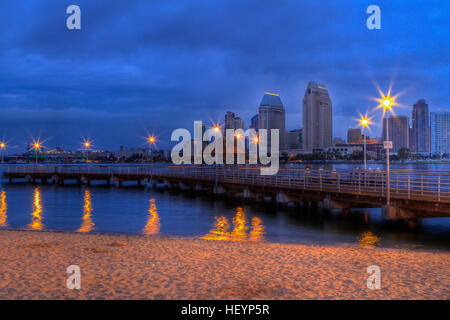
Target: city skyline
[(71, 84)]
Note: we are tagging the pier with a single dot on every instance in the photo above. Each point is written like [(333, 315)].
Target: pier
[(414, 194)]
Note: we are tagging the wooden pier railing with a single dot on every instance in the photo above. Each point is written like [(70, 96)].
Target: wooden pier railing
[(430, 186)]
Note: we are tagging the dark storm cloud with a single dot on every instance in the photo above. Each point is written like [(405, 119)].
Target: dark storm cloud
[(162, 64)]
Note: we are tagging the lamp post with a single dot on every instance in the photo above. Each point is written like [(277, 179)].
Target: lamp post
[(151, 141), (37, 148), (364, 122), (2, 147), (87, 146), (387, 106)]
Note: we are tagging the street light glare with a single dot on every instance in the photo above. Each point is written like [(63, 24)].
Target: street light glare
[(364, 122), (216, 128), (2, 145), (387, 103)]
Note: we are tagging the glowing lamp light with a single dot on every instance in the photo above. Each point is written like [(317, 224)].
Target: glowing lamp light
[(216, 129), (151, 139), (387, 103), (87, 144), (238, 136), (364, 122), (256, 139), (2, 145)]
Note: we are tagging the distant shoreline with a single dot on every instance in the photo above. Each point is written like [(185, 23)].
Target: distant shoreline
[(138, 267), (355, 162)]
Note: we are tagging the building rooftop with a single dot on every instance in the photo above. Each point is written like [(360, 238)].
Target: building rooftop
[(271, 99), (316, 85)]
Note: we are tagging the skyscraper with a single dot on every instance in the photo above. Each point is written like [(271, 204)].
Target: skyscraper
[(233, 122), (229, 116), (398, 132), (440, 132), (420, 127), (254, 122), (317, 118), (272, 116)]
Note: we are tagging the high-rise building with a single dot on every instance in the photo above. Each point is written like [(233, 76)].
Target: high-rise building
[(254, 122), (354, 135), (317, 118), (272, 116), (233, 122), (398, 132), (238, 123), (420, 127), (229, 116), (440, 132), (294, 139)]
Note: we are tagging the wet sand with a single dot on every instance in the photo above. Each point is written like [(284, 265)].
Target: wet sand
[(33, 266)]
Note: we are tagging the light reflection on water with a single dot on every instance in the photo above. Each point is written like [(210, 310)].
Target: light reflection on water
[(36, 215), (3, 209), (87, 223), (239, 233), (369, 239), (153, 225), (149, 212)]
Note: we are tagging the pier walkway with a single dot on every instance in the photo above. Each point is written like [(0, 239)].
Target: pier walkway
[(414, 194)]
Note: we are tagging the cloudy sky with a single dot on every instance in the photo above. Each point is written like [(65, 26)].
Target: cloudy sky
[(146, 65)]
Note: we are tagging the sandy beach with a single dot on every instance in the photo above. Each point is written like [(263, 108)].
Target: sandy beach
[(33, 266)]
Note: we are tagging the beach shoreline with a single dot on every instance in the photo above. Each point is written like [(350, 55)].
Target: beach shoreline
[(113, 266)]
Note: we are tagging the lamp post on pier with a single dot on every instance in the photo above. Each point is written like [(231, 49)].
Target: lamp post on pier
[(2, 148), (364, 123), (387, 103)]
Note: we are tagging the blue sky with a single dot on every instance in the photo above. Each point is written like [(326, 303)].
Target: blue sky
[(138, 66)]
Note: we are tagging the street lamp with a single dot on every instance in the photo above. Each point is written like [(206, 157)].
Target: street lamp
[(2, 147), (387, 103), (37, 147), (151, 141), (364, 122), (87, 144)]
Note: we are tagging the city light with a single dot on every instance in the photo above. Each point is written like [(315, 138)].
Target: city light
[(37, 145), (387, 102), (364, 122), (238, 136), (151, 140), (216, 129), (87, 145), (2, 148), (255, 139)]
